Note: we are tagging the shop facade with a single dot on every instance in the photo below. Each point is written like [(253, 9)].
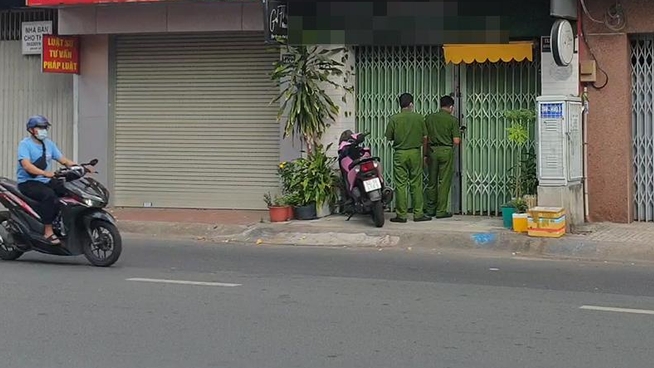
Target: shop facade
[(485, 80), (185, 89), (174, 99), (619, 38)]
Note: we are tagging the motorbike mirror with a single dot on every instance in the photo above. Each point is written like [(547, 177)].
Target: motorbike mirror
[(93, 162)]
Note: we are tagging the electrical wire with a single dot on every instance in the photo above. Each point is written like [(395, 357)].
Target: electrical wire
[(590, 49), (615, 12), (614, 17), (583, 5)]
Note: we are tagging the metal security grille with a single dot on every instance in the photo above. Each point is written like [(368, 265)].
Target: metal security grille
[(488, 90), (194, 126), (642, 87), (383, 73), (11, 20)]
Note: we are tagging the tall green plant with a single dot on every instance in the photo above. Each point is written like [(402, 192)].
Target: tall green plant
[(301, 75), (524, 175)]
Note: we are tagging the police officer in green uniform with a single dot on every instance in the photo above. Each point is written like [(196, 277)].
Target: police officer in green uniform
[(443, 134), (408, 133)]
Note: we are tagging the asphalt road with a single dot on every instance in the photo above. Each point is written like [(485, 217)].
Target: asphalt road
[(318, 307)]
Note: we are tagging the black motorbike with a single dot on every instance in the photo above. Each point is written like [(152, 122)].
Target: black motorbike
[(364, 189), (82, 225)]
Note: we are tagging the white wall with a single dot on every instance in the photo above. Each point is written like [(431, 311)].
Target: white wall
[(93, 125), (161, 18), (346, 117)]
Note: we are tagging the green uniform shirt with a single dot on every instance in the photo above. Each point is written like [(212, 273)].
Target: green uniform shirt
[(442, 128), (407, 130)]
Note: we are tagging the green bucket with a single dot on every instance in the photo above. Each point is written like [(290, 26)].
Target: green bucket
[(507, 217)]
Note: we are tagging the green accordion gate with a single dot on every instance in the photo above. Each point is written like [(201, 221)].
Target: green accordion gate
[(486, 91), (383, 74)]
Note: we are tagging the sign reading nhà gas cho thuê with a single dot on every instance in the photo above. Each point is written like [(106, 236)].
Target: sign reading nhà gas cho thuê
[(60, 54), (32, 36)]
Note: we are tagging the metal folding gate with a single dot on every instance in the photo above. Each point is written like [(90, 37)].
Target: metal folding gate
[(484, 92), (642, 87), (488, 90), (383, 73), (26, 91)]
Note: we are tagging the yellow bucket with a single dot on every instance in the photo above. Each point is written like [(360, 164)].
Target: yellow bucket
[(520, 222)]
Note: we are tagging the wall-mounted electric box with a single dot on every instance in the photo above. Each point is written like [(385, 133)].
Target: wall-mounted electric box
[(560, 140)]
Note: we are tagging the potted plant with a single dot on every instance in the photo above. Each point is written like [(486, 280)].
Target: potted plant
[(523, 182), (320, 183), (519, 217), (278, 210), (285, 170), (302, 77), (293, 175), (310, 183)]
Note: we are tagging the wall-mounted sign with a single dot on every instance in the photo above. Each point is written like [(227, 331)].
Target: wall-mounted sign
[(545, 44), (551, 110), (275, 20), (60, 54), (32, 36), (287, 58)]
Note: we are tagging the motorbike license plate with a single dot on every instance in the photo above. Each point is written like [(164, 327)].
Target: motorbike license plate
[(372, 184)]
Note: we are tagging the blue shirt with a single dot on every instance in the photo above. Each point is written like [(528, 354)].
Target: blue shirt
[(31, 150)]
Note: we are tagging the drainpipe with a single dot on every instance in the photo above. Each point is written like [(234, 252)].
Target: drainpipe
[(584, 127), (584, 113)]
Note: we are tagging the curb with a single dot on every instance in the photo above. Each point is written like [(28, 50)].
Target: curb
[(577, 247)]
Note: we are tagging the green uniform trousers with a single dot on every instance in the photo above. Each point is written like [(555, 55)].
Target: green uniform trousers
[(408, 170), (441, 172)]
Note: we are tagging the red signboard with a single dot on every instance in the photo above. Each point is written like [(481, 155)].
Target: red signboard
[(60, 54), (82, 2)]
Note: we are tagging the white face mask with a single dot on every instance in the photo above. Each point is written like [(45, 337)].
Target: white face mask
[(41, 134)]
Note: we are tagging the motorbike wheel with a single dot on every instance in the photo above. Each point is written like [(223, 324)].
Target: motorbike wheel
[(378, 213), (8, 252), (104, 249)]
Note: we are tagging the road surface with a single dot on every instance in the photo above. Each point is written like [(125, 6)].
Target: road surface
[(191, 305)]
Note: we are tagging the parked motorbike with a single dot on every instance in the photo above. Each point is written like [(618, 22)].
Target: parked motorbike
[(364, 189), (82, 225)]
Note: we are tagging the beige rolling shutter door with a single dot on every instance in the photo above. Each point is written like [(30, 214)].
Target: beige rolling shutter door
[(193, 120)]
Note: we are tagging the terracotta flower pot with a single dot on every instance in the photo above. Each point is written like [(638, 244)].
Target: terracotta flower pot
[(289, 215), (278, 213)]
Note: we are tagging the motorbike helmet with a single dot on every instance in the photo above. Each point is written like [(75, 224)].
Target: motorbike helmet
[(37, 121), (345, 136)]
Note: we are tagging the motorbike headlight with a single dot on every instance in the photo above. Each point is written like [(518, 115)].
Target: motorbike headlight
[(92, 202)]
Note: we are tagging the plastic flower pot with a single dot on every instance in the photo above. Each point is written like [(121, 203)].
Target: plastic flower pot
[(306, 212), (278, 213), (507, 216)]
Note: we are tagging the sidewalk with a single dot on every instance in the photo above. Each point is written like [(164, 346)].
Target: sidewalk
[(614, 242)]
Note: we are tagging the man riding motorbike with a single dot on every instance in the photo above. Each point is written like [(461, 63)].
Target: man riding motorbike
[(35, 173)]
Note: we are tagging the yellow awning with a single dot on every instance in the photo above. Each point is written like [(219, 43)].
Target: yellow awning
[(480, 53)]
